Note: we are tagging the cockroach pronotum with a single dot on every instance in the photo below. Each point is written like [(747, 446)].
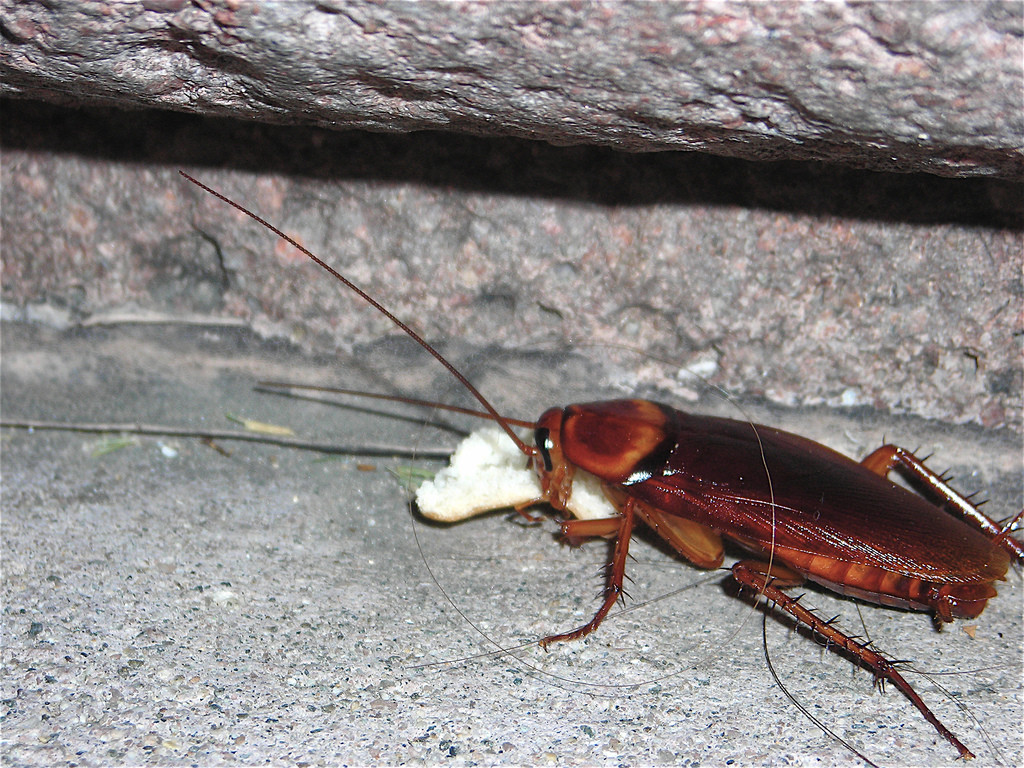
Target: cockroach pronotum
[(804, 511)]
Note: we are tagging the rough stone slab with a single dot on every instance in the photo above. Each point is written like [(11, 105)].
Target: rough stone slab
[(799, 283), (932, 86)]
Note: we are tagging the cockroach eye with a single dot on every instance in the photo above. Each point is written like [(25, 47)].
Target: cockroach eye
[(542, 437)]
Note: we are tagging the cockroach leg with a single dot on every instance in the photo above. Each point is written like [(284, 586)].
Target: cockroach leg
[(752, 574), (889, 457), (523, 510), (1004, 533), (623, 531), (588, 529), (575, 532)]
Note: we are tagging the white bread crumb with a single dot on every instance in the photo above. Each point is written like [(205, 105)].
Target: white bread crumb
[(488, 472)]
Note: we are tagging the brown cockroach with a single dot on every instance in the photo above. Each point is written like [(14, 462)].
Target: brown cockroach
[(804, 511)]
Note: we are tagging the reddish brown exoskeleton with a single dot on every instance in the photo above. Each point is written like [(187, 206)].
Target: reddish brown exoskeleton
[(803, 510)]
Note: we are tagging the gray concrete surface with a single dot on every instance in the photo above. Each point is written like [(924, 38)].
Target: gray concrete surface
[(166, 604)]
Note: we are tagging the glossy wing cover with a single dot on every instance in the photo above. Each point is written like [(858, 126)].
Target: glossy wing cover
[(820, 512)]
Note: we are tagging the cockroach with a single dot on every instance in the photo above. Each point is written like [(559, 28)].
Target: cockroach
[(803, 511)]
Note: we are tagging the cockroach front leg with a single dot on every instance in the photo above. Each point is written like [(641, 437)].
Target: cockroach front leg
[(754, 574), (889, 457), (622, 529), (523, 510)]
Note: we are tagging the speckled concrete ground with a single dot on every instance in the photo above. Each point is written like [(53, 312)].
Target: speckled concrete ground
[(167, 604)]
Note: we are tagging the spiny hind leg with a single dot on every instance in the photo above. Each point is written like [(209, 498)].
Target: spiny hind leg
[(752, 574), (890, 457)]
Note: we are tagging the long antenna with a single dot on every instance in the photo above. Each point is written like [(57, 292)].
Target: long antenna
[(380, 308), (276, 385)]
